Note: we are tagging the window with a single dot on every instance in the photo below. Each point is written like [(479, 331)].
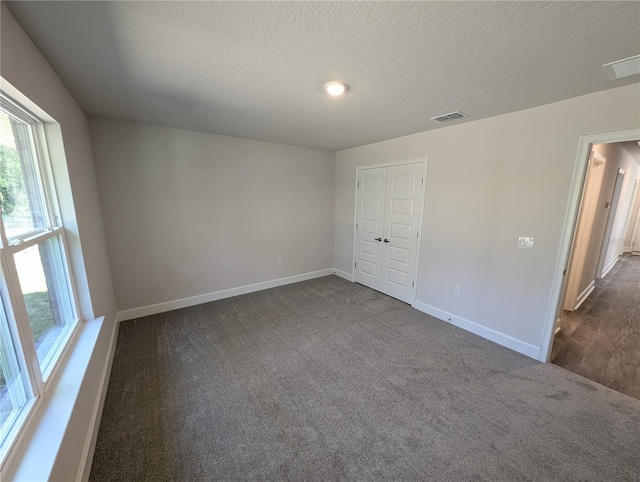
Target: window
[(38, 309)]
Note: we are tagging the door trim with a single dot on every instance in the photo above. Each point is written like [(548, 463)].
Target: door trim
[(424, 160), (570, 224)]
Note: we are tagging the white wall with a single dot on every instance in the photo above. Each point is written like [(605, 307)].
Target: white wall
[(189, 213), (489, 182), (633, 243), (620, 160), (24, 67)]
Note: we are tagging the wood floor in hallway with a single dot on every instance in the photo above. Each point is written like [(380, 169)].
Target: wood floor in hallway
[(601, 340)]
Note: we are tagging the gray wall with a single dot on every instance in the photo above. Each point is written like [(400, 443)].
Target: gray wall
[(189, 213), (489, 182), (24, 67)]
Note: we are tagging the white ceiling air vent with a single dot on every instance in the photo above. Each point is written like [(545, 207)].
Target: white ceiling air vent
[(623, 68), (449, 117)]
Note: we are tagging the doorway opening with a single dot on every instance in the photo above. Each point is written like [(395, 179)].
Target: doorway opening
[(597, 329)]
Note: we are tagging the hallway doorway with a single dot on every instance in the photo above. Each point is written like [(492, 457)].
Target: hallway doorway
[(597, 334), (601, 339)]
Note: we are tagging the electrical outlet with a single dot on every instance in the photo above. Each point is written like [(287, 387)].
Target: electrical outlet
[(456, 290), (526, 242), (264, 264), (279, 261)]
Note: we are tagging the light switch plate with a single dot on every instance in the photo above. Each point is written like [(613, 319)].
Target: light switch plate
[(526, 242)]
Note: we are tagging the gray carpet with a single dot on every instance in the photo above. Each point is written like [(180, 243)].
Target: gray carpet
[(601, 339), (329, 380)]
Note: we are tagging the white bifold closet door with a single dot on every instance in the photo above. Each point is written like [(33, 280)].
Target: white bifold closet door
[(389, 204)]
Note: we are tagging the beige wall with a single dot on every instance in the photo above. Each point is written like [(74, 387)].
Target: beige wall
[(189, 213), (632, 174), (489, 182), (580, 261), (23, 66), (634, 226), (617, 158)]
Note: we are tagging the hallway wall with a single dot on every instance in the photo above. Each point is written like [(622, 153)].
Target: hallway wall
[(580, 261), (634, 222), (617, 158)]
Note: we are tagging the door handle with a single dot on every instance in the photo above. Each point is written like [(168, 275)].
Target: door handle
[(377, 239), (386, 240)]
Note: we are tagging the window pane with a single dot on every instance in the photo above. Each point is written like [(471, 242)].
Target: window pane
[(43, 279), (21, 194), (12, 391)]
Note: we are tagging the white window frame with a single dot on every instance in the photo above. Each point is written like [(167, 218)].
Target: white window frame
[(36, 379)]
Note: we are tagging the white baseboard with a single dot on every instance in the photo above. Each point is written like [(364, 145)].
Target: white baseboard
[(218, 295), (610, 266), (585, 294), (477, 329), (343, 274), (92, 435)]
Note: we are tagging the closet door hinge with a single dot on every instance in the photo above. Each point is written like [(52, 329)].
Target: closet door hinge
[(355, 265), (423, 181), (358, 183), (413, 284), (356, 225)]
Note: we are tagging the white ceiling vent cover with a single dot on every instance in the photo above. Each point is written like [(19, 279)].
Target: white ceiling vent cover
[(449, 117), (623, 68)]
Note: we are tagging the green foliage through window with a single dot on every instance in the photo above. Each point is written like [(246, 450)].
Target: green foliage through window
[(12, 189)]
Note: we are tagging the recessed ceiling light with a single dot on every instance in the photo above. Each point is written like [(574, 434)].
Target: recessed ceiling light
[(623, 68), (335, 88)]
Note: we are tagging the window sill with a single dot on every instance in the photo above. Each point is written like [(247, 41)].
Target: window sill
[(38, 446)]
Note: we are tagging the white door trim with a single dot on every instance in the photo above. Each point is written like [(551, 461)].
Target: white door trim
[(424, 160), (568, 232), (393, 163)]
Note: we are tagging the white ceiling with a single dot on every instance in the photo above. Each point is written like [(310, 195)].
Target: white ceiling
[(256, 69)]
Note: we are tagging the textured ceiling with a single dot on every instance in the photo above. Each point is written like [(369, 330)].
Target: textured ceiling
[(256, 69)]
